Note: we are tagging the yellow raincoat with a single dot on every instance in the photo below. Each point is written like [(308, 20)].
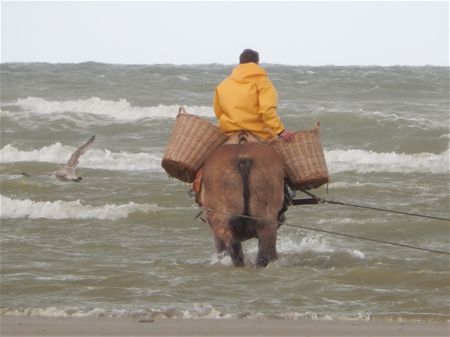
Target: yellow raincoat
[(247, 100)]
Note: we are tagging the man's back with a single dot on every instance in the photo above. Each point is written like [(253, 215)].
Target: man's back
[(247, 100)]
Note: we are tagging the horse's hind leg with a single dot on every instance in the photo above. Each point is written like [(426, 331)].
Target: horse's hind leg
[(220, 245), (267, 244), (224, 238), (234, 248)]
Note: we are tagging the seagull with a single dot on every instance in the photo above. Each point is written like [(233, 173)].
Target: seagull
[(67, 173)]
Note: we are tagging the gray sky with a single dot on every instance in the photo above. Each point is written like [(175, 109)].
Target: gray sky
[(295, 32)]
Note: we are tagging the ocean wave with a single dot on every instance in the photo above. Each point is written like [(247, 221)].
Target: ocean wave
[(338, 161), (120, 110), (400, 118), (196, 312), (346, 184), (315, 245), (210, 312), (362, 161), (17, 208), (94, 158), (290, 247)]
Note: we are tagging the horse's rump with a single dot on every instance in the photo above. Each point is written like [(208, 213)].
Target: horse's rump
[(243, 179)]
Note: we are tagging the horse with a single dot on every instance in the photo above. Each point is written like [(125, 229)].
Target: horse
[(243, 196)]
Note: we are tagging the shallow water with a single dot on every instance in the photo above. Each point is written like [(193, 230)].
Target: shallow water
[(124, 242)]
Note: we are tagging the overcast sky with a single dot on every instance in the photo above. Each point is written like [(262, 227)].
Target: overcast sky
[(298, 33)]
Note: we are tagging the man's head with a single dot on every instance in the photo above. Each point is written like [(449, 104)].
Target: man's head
[(248, 56)]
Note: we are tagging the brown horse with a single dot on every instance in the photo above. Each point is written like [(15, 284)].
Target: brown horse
[(243, 196)]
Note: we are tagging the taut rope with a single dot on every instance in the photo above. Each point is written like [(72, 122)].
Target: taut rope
[(331, 202)]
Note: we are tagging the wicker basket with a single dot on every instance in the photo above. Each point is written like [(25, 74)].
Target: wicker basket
[(191, 141), (303, 159)]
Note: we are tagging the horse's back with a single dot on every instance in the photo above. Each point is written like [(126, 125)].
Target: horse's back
[(261, 154)]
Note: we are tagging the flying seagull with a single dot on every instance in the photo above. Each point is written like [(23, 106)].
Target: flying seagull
[(67, 173)]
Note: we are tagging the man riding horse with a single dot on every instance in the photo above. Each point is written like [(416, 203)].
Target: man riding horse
[(241, 186)]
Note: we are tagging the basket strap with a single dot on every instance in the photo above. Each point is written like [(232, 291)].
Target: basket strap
[(181, 110), (243, 135)]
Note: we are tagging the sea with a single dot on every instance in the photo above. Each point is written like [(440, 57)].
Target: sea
[(125, 241)]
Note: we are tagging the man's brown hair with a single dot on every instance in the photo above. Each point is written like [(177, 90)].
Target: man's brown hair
[(249, 55)]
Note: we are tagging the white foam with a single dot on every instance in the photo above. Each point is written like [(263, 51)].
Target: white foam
[(55, 312), (289, 246), (344, 221), (221, 259), (120, 110), (362, 161), (17, 208), (197, 311), (315, 245), (406, 119), (346, 184), (94, 158), (338, 161)]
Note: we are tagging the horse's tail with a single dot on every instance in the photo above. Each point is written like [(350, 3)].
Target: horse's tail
[(243, 165)]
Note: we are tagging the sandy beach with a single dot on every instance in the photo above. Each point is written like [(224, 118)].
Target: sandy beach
[(41, 326)]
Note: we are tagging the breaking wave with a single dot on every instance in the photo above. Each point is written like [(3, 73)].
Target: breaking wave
[(94, 158), (120, 110), (210, 312), (368, 162), (16, 208), (338, 161), (197, 312)]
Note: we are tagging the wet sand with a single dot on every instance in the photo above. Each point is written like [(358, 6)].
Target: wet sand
[(42, 326)]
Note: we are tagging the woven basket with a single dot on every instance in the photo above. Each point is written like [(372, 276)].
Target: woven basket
[(303, 159), (191, 141)]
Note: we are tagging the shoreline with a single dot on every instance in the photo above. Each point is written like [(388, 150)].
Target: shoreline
[(102, 326)]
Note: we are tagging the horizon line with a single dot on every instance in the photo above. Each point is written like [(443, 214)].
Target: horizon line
[(233, 64)]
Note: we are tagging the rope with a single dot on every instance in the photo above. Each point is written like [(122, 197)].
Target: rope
[(334, 233), (372, 240), (331, 202)]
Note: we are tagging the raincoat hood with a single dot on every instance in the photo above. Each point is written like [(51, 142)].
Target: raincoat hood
[(247, 72)]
